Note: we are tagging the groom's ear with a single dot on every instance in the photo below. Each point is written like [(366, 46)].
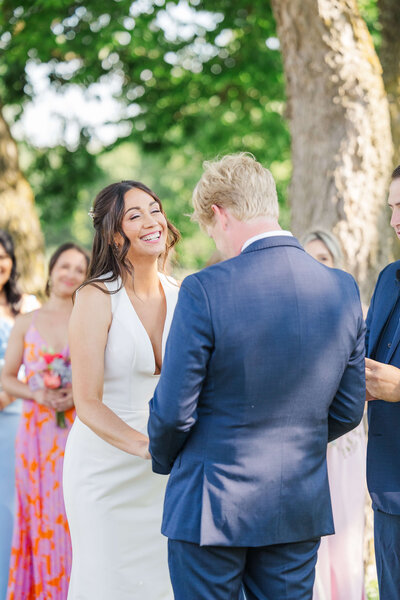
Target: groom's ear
[(220, 214)]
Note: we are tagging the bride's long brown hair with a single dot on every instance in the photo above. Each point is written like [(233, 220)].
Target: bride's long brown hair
[(107, 214)]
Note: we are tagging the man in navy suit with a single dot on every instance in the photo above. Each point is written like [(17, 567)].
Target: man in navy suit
[(383, 387), (264, 365)]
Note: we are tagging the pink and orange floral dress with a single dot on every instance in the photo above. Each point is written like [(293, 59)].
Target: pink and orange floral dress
[(41, 550)]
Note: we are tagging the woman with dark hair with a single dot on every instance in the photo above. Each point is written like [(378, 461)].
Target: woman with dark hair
[(41, 550), (118, 330), (12, 302)]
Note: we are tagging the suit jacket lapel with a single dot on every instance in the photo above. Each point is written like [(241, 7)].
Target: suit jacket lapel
[(384, 311), (395, 342)]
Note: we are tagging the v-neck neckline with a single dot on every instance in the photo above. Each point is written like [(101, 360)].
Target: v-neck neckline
[(64, 351), (154, 374)]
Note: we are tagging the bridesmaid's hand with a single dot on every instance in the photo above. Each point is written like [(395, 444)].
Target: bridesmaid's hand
[(43, 397), (62, 400), (5, 400)]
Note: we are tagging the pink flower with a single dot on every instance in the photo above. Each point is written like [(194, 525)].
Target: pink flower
[(49, 357), (51, 380)]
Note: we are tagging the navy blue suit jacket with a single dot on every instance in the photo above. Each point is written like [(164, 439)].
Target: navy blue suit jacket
[(383, 453), (264, 364)]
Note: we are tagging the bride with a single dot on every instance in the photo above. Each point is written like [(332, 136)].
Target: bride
[(118, 329)]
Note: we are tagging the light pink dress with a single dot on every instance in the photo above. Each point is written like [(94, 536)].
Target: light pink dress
[(339, 573), (41, 550)]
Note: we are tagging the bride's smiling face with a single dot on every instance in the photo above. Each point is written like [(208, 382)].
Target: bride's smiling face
[(143, 224)]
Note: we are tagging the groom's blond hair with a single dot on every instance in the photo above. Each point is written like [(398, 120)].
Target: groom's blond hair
[(236, 182)]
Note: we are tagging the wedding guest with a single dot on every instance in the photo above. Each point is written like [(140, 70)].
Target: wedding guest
[(118, 332), (339, 572), (383, 391), (41, 550), (12, 302)]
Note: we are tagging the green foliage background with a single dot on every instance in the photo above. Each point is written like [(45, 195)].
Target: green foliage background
[(209, 88)]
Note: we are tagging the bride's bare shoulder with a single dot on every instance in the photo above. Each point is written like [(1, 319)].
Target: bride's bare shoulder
[(93, 294), (92, 288)]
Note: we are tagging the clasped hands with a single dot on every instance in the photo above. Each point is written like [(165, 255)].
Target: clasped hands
[(382, 381), (59, 400)]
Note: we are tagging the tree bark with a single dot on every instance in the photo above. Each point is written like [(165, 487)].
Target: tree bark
[(18, 215), (340, 126), (389, 18)]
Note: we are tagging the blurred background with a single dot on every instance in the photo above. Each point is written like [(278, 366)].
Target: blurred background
[(96, 91)]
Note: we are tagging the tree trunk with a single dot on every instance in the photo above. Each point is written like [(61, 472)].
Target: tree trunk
[(18, 215), (389, 18), (340, 126)]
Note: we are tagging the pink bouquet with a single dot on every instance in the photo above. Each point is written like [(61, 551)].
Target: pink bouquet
[(57, 375)]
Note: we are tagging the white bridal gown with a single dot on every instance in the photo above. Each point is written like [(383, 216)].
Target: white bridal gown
[(113, 499)]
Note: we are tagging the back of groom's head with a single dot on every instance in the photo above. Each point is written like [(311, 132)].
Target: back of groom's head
[(396, 173), (236, 182)]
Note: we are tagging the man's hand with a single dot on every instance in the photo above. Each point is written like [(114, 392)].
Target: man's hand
[(383, 381)]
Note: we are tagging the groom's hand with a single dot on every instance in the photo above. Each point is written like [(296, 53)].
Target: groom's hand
[(383, 381)]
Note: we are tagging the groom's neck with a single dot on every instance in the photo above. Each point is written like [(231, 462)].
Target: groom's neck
[(244, 230)]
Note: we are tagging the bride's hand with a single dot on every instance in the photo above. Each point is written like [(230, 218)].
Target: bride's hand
[(142, 449)]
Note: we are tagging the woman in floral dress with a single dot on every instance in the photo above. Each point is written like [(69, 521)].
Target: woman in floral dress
[(41, 549), (12, 302)]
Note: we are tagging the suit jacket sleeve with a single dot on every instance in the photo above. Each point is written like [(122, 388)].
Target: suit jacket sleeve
[(347, 408), (173, 409)]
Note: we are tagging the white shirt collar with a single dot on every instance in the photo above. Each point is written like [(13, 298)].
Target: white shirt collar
[(267, 234)]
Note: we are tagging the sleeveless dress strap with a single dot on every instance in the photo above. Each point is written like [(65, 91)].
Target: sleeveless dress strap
[(34, 315), (113, 287), (32, 325)]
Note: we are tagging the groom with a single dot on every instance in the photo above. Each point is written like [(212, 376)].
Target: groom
[(264, 365)]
